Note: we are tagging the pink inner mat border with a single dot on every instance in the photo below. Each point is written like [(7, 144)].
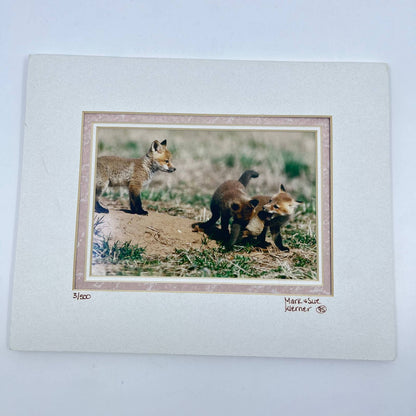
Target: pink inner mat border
[(206, 285)]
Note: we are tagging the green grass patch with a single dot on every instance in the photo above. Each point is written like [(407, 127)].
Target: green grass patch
[(117, 251), (247, 161), (308, 206), (174, 211), (298, 239), (156, 195), (132, 149), (300, 261), (197, 200), (229, 160), (179, 198), (293, 166), (113, 195), (256, 145), (212, 262)]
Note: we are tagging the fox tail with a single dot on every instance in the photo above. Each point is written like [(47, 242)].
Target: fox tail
[(247, 175)]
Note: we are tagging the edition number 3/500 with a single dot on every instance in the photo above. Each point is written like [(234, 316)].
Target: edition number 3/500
[(81, 296)]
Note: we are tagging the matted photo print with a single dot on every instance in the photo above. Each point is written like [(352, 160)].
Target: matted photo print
[(204, 203), (205, 207)]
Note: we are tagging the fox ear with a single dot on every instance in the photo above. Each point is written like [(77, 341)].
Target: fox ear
[(164, 142), (155, 146), (254, 202), (282, 188), (235, 206)]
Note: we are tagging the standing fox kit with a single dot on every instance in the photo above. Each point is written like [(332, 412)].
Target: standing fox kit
[(230, 200), (133, 173), (273, 212)]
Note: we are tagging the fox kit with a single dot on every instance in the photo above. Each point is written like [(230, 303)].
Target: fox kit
[(230, 200), (133, 173), (272, 212)]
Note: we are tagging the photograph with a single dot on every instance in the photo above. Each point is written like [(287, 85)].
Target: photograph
[(205, 201)]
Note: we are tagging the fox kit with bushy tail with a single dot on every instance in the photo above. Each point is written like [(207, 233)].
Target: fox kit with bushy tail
[(133, 173), (272, 212), (230, 200)]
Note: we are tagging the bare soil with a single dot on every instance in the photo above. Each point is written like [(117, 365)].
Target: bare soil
[(159, 233)]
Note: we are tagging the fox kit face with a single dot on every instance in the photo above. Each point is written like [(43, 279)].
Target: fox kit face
[(161, 157), (244, 211), (282, 204)]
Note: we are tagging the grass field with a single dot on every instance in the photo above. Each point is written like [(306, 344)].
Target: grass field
[(204, 159)]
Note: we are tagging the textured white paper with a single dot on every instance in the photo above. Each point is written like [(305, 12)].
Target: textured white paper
[(359, 322)]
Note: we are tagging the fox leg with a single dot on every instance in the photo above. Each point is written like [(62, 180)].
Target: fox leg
[(235, 234), (225, 220), (135, 201), (99, 189), (215, 210), (277, 238), (261, 239)]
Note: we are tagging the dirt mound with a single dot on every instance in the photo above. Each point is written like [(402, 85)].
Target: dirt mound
[(159, 233)]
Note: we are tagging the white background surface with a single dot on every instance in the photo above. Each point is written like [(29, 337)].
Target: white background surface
[(107, 384)]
